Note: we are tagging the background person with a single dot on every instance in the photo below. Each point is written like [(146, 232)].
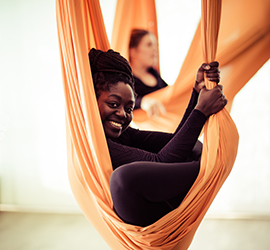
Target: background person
[(143, 57)]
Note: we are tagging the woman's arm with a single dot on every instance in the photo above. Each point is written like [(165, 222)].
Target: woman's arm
[(151, 105), (212, 72), (163, 147), (177, 149), (191, 105), (180, 146), (153, 141)]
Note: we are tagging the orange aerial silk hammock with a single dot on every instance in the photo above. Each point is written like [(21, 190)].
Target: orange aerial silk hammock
[(81, 27), (243, 48)]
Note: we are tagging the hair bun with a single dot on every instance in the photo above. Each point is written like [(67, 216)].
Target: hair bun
[(93, 56), (110, 61)]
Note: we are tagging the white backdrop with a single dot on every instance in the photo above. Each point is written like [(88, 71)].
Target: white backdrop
[(33, 172)]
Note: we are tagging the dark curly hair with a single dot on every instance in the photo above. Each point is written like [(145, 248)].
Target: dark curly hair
[(109, 68)]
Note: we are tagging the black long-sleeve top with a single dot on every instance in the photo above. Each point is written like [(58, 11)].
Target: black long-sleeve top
[(141, 89), (138, 145)]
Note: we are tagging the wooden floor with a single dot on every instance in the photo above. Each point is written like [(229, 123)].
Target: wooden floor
[(35, 231)]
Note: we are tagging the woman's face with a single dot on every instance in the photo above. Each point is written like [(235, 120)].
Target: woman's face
[(146, 51), (115, 107)]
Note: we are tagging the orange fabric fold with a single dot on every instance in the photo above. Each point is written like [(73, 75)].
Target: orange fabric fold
[(80, 27), (132, 14), (243, 48)]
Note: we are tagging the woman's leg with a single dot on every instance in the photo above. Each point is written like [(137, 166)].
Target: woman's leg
[(141, 191)]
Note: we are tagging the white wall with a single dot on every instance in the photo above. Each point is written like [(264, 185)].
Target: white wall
[(32, 126), (33, 152), (247, 188)]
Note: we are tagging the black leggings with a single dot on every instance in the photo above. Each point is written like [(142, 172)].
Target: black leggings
[(143, 192)]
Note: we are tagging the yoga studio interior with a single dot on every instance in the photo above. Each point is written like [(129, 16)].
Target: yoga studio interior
[(54, 162)]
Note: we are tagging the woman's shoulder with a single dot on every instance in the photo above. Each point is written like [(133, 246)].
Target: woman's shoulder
[(142, 89), (160, 82), (126, 137), (154, 72)]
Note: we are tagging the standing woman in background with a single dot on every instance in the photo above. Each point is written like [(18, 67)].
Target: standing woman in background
[(142, 59)]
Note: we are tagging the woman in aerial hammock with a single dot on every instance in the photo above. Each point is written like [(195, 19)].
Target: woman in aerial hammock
[(153, 171), (143, 59)]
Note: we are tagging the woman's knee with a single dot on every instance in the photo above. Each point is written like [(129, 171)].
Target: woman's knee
[(123, 179)]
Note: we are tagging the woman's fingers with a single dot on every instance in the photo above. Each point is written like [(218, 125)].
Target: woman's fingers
[(211, 101), (213, 73), (210, 71), (203, 67), (214, 79), (214, 64)]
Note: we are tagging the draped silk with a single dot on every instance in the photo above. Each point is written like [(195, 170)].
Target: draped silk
[(81, 27), (243, 48), (132, 14)]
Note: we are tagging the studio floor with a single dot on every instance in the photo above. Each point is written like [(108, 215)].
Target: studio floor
[(37, 231)]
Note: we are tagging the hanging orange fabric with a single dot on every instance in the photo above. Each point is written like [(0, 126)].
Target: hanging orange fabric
[(132, 14), (80, 27), (242, 50)]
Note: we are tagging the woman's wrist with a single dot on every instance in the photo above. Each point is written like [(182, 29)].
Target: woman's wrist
[(198, 86), (202, 109)]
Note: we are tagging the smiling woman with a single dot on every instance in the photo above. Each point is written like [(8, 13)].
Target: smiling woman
[(153, 171), (114, 88), (119, 100)]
